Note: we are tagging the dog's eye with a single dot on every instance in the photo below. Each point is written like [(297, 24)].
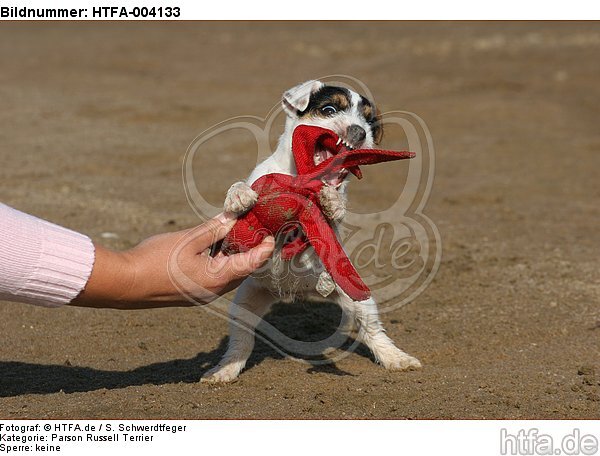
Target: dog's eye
[(328, 110)]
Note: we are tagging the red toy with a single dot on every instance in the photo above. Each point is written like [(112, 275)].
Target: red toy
[(286, 203)]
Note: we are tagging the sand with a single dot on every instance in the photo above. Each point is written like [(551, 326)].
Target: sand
[(95, 123)]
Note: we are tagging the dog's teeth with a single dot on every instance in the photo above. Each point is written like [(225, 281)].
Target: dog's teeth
[(338, 141)]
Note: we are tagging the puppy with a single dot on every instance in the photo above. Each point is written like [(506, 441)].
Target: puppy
[(355, 120)]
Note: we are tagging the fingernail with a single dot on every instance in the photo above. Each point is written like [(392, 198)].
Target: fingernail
[(225, 217), (267, 247)]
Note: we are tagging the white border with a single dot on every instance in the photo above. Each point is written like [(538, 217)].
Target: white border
[(299, 438), (348, 10)]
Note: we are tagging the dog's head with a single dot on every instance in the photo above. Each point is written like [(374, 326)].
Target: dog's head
[(354, 118), (351, 116)]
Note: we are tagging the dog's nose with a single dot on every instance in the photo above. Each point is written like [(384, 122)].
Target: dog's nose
[(355, 134)]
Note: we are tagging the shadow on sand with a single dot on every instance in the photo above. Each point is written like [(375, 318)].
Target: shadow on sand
[(300, 321)]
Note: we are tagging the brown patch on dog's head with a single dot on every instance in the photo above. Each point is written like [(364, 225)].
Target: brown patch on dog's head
[(326, 101), (321, 104)]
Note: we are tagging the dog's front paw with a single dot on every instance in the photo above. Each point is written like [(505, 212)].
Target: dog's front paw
[(240, 198), (398, 360), (222, 374), (333, 204)]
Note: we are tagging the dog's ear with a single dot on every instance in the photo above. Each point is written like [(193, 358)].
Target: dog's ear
[(378, 127), (297, 98)]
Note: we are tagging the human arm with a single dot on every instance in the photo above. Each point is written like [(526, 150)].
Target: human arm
[(45, 264), (171, 269)]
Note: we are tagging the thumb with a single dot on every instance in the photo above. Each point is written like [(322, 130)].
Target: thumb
[(243, 264), (203, 236)]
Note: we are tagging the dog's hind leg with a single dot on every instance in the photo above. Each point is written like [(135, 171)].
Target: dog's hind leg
[(250, 304), (372, 334)]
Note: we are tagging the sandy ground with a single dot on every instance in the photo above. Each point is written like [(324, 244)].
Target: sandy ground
[(94, 124)]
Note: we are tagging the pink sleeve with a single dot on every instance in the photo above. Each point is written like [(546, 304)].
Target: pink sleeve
[(40, 262)]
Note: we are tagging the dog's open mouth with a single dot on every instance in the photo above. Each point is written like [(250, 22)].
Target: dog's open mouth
[(324, 149), (322, 155)]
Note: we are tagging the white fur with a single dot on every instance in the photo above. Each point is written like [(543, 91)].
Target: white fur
[(333, 203), (283, 283), (240, 197)]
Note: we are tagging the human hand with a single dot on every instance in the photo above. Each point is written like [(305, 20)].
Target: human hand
[(171, 269)]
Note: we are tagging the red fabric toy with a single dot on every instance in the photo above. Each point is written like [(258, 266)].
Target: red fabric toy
[(286, 203)]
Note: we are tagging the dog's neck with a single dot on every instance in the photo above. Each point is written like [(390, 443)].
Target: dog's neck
[(283, 154)]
